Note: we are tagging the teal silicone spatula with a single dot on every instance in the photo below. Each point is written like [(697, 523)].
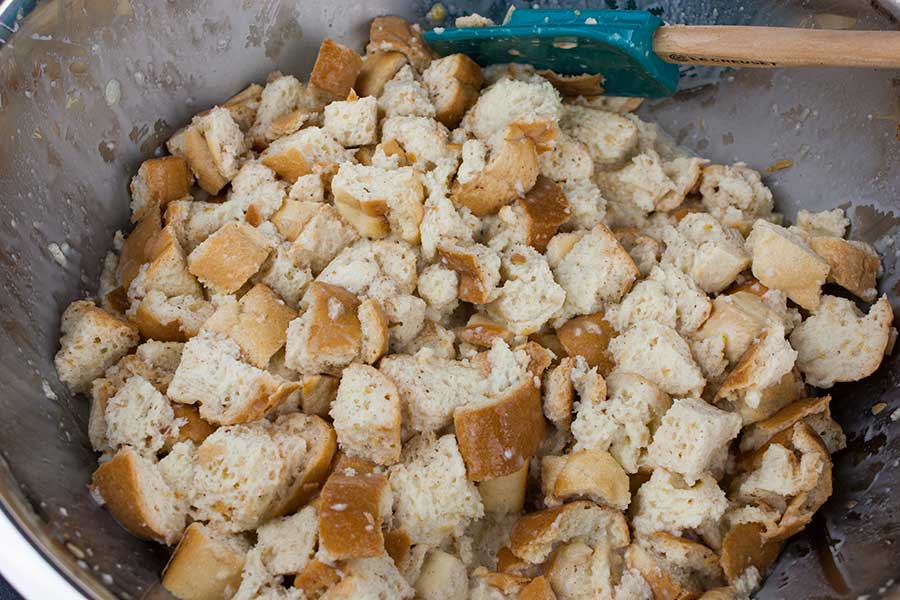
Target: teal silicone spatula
[(637, 54)]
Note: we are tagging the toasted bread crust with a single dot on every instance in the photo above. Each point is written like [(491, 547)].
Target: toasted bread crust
[(350, 515), (589, 336), (336, 69), (395, 34), (377, 69), (545, 208), (200, 552)]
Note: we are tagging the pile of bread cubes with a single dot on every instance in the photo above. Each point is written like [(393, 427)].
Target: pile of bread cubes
[(421, 329)]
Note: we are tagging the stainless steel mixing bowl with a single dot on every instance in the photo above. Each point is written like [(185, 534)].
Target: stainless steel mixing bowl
[(88, 88)]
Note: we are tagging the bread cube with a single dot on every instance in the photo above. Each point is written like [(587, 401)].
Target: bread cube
[(592, 474), (135, 493), (322, 238), (405, 96), (597, 270), (568, 160), (336, 69), (394, 195), (485, 183), (375, 336), (674, 566), (308, 151), (453, 82), (712, 255), (281, 96), (443, 577), (256, 190), (371, 579), (229, 391), (327, 335), (377, 69), (394, 34), (244, 105), (366, 414), (224, 139), (588, 336), (284, 276), (421, 142), (763, 366), (167, 272), (609, 137), (442, 221), (137, 415), (535, 535), (316, 578), (478, 269), (736, 196), (175, 319), (257, 322), (691, 438), (439, 287), (658, 353), (667, 503), (353, 122), (243, 470), (203, 549), (838, 343), (647, 301), (529, 296), (158, 182), (587, 206), (815, 412), (854, 266), (738, 319), (830, 223), (433, 499), (229, 257), (355, 501), (642, 183), (92, 341), (535, 103)]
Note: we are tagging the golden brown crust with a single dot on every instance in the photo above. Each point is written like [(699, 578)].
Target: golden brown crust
[(289, 163), (201, 161), (511, 170), (395, 34), (117, 482), (243, 105), (507, 562), (152, 328), (504, 495), (852, 267), (575, 85), (229, 257), (350, 515), (194, 428), (202, 567), (744, 546), (481, 331), (316, 578), (397, 544), (327, 335), (166, 178), (670, 565), (758, 434), (374, 331), (466, 84), (377, 69), (336, 69), (596, 475), (319, 391), (473, 279), (513, 423), (589, 336), (538, 589), (321, 446), (545, 209), (257, 323), (137, 248)]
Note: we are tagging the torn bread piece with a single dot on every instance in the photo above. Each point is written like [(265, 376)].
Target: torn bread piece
[(323, 237), (478, 269), (175, 319), (135, 492), (394, 34), (366, 414), (815, 412), (711, 254), (405, 96), (244, 470), (377, 69), (311, 150), (830, 223), (493, 174), (855, 266), (667, 503), (453, 83), (211, 145), (768, 361), (624, 423), (140, 417), (327, 335), (691, 437), (658, 353), (336, 69), (838, 343), (674, 567), (535, 535), (589, 336), (559, 393), (529, 296), (257, 322), (244, 105), (596, 270), (92, 341), (784, 261), (533, 105), (353, 122), (158, 182), (354, 503), (433, 499), (499, 434), (609, 137), (202, 548), (229, 257), (443, 577), (378, 201), (592, 474), (736, 196), (481, 331), (568, 160)]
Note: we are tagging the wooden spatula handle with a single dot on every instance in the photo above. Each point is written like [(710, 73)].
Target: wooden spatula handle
[(736, 46)]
